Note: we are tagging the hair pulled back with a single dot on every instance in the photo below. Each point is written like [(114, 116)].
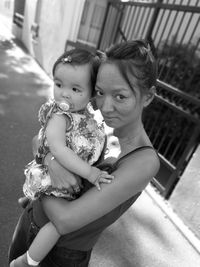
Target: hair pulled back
[(134, 58), (77, 57)]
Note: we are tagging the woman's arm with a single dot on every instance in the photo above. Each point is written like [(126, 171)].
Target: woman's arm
[(130, 178)]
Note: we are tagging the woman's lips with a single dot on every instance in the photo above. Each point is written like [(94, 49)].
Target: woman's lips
[(109, 118)]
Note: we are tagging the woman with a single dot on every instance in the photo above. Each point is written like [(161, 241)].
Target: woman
[(125, 86)]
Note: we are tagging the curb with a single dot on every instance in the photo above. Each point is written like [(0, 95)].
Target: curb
[(172, 216)]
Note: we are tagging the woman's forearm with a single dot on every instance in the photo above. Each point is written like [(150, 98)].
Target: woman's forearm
[(70, 216)]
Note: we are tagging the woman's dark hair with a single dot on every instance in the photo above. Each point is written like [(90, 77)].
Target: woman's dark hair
[(79, 56), (134, 58)]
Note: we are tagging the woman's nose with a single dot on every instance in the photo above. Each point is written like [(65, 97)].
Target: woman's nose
[(107, 105)]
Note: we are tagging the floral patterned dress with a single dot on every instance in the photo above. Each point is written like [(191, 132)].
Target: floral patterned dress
[(85, 136)]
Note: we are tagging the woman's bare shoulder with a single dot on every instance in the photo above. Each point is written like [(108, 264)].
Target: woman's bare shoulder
[(146, 158)]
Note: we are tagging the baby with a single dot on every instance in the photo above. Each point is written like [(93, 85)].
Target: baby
[(73, 137)]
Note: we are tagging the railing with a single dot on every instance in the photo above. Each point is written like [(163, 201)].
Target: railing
[(173, 121)]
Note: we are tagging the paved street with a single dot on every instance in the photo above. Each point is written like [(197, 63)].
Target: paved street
[(143, 237), (23, 87)]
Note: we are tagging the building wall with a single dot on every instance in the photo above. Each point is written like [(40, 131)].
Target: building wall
[(58, 22), (6, 7), (29, 16)]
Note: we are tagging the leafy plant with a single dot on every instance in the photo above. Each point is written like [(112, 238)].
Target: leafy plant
[(179, 65)]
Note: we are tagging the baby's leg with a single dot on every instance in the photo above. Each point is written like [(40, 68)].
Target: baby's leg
[(44, 241)]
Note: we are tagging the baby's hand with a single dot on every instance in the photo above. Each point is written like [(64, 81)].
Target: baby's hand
[(97, 176)]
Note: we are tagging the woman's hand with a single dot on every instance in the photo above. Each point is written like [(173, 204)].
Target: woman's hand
[(61, 177)]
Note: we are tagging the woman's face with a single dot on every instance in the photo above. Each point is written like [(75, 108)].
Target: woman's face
[(120, 105)]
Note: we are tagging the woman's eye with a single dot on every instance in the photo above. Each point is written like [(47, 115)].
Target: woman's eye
[(99, 93), (120, 97)]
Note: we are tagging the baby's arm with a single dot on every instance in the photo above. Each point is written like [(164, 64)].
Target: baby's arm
[(55, 133)]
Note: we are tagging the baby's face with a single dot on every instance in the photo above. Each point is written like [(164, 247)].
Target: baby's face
[(72, 85)]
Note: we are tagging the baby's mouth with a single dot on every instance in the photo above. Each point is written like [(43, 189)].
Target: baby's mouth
[(65, 106)]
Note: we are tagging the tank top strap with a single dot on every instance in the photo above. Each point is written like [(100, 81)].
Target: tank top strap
[(133, 152)]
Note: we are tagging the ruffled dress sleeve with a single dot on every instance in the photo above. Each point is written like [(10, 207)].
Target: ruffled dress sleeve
[(45, 112)]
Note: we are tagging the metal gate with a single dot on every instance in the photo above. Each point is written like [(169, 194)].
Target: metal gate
[(173, 121)]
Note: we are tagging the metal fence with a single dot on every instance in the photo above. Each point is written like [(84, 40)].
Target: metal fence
[(173, 121)]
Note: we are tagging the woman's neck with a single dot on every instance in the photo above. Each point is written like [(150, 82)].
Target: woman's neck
[(130, 139)]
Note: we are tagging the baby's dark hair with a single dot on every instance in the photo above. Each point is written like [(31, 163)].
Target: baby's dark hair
[(79, 56), (135, 58)]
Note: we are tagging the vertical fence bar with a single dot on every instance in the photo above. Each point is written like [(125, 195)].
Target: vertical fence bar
[(103, 25), (140, 26), (137, 24), (188, 150), (126, 18), (166, 60), (180, 24), (133, 13), (192, 35), (153, 21), (145, 22), (164, 26), (118, 26)]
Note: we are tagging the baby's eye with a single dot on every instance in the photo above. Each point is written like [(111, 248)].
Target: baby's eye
[(58, 84), (76, 90)]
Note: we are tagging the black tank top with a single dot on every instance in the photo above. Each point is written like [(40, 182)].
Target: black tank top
[(86, 237)]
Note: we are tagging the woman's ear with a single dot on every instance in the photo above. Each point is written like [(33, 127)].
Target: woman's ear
[(149, 96)]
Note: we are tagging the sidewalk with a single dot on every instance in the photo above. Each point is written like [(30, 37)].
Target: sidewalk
[(144, 236)]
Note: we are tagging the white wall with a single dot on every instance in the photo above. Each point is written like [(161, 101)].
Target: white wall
[(29, 16), (58, 21)]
